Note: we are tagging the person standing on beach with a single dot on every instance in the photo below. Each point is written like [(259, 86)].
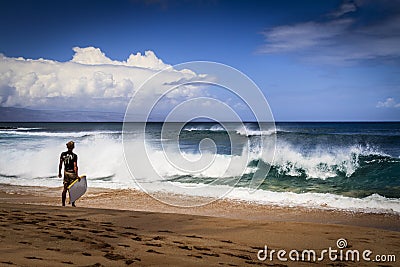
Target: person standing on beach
[(70, 160)]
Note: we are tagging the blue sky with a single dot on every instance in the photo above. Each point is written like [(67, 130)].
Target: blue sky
[(313, 60)]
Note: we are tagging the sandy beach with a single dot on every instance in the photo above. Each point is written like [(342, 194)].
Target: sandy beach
[(209, 132), (127, 227)]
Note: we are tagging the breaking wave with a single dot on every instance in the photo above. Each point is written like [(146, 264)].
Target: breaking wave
[(340, 176)]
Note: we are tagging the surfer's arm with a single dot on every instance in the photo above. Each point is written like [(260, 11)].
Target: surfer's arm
[(76, 169), (60, 168)]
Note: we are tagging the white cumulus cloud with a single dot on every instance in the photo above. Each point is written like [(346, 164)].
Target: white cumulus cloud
[(89, 81), (94, 56), (390, 102)]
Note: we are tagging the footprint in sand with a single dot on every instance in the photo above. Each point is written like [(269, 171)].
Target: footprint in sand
[(185, 247), (18, 211), (83, 220), (95, 265), (104, 245), (241, 256), (210, 254), (201, 248), (53, 249), (194, 236), (153, 251), (96, 231), (114, 257), (127, 233), (166, 231), (130, 261), (33, 258), (196, 256), (109, 236)]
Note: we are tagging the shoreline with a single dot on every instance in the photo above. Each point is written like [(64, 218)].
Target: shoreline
[(129, 228), (135, 200)]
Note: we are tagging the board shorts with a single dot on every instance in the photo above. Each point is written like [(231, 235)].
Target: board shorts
[(69, 177)]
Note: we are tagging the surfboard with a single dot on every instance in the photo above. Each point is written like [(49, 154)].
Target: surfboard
[(77, 188)]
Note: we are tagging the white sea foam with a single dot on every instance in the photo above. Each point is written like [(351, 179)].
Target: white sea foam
[(214, 128), (21, 132), (241, 130), (249, 132), (321, 162), (101, 157), (371, 204), (98, 156), (28, 128)]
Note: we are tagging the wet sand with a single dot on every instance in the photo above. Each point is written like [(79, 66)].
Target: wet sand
[(129, 228)]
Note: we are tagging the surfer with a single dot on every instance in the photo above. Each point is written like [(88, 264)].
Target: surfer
[(70, 161)]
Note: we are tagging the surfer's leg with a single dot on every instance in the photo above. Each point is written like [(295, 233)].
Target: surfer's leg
[(67, 182), (64, 195), (73, 178)]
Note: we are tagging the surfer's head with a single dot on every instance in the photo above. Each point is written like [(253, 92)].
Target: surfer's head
[(71, 145)]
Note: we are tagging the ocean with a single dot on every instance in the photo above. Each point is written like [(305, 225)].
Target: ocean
[(351, 166)]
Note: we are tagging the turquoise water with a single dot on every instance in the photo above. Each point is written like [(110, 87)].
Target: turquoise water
[(356, 160)]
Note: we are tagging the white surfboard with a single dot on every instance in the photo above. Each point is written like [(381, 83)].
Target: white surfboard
[(77, 188)]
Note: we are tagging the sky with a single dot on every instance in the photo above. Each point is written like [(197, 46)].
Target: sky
[(312, 60)]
